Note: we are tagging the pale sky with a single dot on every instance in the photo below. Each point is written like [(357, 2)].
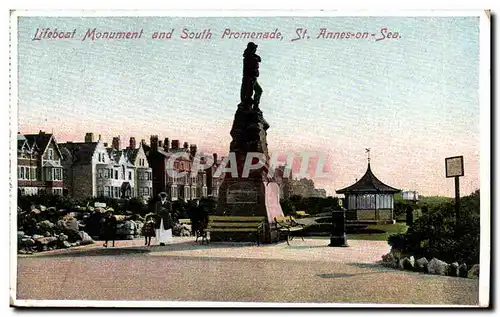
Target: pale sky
[(413, 100)]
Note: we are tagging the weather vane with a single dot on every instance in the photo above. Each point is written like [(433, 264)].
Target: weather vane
[(368, 151)]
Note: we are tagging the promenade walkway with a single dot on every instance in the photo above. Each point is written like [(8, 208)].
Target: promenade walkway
[(305, 272)]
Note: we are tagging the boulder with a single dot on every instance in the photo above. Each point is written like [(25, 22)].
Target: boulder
[(462, 270), (36, 237), (139, 227), (69, 226), (45, 241), (100, 210), (127, 228), (66, 244), (185, 232), (453, 269), (181, 230), (62, 237), (47, 234), (421, 265), (437, 267), (474, 272), (35, 211), (27, 242), (409, 263), (85, 238), (42, 208), (400, 264), (45, 226), (129, 237), (389, 260)]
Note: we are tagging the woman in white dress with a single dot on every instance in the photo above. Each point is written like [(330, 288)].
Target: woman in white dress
[(163, 221)]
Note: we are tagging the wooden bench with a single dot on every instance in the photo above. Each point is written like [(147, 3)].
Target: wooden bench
[(251, 224), (185, 221), (301, 214), (287, 225)]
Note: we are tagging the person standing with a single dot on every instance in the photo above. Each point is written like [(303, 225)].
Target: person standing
[(163, 220), (164, 225), (148, 230), (109, 228)]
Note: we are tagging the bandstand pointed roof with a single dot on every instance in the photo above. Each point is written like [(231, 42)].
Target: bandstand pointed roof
[(369, 183)]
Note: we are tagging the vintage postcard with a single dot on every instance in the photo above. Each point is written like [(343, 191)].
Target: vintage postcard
[(250, 158)]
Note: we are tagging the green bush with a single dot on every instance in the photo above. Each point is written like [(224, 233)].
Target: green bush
[(437, 234)]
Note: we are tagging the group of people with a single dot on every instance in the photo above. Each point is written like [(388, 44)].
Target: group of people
[(160, 222)]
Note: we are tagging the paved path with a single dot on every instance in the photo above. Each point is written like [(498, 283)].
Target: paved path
[(307, 272)]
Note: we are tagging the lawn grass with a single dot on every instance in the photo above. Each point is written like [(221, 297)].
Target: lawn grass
[(399, 227)]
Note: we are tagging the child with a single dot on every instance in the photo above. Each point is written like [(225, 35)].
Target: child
[(148, 230)]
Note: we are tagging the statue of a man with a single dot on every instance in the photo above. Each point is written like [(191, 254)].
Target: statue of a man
[(249, 83)]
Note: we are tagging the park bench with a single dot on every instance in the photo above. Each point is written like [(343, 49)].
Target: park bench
[(287, 225), (301, 214), (185, 221), (250, 224)]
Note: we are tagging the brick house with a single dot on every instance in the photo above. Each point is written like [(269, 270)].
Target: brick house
[(39, 166), (187, 187)]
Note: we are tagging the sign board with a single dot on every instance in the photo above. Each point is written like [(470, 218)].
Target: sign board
[(241, 193), (454, 166), (100, 205)]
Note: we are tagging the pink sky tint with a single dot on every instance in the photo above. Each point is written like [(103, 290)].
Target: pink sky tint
[(423, 170)]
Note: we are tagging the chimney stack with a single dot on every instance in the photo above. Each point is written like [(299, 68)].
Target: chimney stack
[(215, 158), (160, 144), (175, 144), (99, 137), (105, 144), (132, 142), (186, 145), (116, 143), (154, 143), (192, 150), (89, 137), (166, 144)]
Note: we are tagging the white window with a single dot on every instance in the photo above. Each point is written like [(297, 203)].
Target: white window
[(33, 173), (50, 155), (99, 173), (48, 174), (204, 191), (57, 174)]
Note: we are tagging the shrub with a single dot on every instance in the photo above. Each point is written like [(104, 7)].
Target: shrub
[(437, 234)]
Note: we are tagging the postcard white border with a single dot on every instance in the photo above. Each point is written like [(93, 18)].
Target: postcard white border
[(485, 172)]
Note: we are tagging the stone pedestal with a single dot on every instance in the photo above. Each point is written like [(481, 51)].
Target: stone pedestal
[(257, 194)]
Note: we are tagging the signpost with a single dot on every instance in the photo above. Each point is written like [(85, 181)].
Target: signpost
[(455, 168)]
